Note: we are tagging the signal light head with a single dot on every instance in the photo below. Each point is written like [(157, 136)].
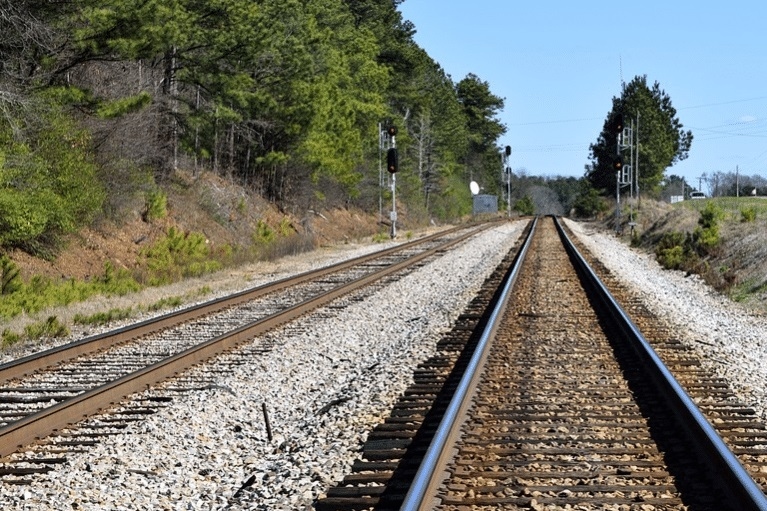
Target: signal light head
[(618, 163), (392, 163), (391, 130)]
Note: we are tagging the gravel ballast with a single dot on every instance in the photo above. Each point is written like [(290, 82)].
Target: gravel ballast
[(730, 340), (326, 386)]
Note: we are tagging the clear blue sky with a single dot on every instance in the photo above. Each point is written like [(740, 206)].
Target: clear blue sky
[(558, 64)]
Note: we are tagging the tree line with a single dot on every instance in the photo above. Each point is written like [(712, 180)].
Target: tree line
[(103, 99)]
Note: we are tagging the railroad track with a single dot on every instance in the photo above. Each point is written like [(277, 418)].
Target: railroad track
[(569, 408), (46, 392)]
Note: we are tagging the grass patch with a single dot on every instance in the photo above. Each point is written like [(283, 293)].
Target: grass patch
[(40, 292), (50, 328), (731, 207), (102, 318)]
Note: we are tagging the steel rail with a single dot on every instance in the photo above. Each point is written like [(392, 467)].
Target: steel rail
[(425, 482), (46, 422), (53, 356), (743, 491), (735, 480)]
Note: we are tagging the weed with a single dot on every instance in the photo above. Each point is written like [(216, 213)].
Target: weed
[(9, 338), (10, 280), (51, 327), (381, 237), (171, 301), (156, 205), (748, 214), (178, 255), (264, 235), (102, 318)]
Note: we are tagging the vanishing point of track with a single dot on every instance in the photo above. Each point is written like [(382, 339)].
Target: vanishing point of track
[(546, 396)]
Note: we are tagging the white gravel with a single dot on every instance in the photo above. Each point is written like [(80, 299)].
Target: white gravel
[(729, 339), (198, 451)]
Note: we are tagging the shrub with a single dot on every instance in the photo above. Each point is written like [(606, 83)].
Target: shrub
[(671, 258), (156, 205), (102, 318), (48, 180), (264, 234), (51, 327), (705, 237), (748, 214), (671, 250), (525, 206), (9, 338), (10, 280), (178, 255)]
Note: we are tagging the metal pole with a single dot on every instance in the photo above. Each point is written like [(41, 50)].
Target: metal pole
[(393, 195), (380, 173), (637, 161)]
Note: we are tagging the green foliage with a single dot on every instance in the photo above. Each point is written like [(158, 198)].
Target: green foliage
[(178, 255), (48, 182), (381, 237), (706, 234), (748, 214), (123, 106), (672, 252), (286, 228), (663, 139), (171, 301), (50, 328), (682, 251), (9, 338), (10, 278), (264, 234), (40, 293), (102, 318), (525, 206), (156, 205), (589, 204)]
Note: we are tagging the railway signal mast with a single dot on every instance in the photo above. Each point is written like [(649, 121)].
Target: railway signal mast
[(625, 174), (507, 171), (392, 165)]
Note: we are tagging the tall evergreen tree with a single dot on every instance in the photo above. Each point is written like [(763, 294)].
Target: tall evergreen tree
[(480, 107), (662, 139)]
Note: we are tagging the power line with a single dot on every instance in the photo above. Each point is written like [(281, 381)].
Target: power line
[(562, 121), (722, 103)]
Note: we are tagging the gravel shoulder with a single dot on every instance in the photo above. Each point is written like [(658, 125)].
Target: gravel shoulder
[(198, 451), (730, 339)]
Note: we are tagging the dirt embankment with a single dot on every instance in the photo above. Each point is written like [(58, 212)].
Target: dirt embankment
[(737, 267)]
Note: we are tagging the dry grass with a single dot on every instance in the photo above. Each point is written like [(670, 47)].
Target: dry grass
[(738, 268)]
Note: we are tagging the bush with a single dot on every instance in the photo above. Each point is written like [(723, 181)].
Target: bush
[(48, 182), (178, 255), (51, 327), (671, 258), (525, 206), (589, 204), (748, 214), (156, 206), (706, 236), (671, 251), (10, 279)]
